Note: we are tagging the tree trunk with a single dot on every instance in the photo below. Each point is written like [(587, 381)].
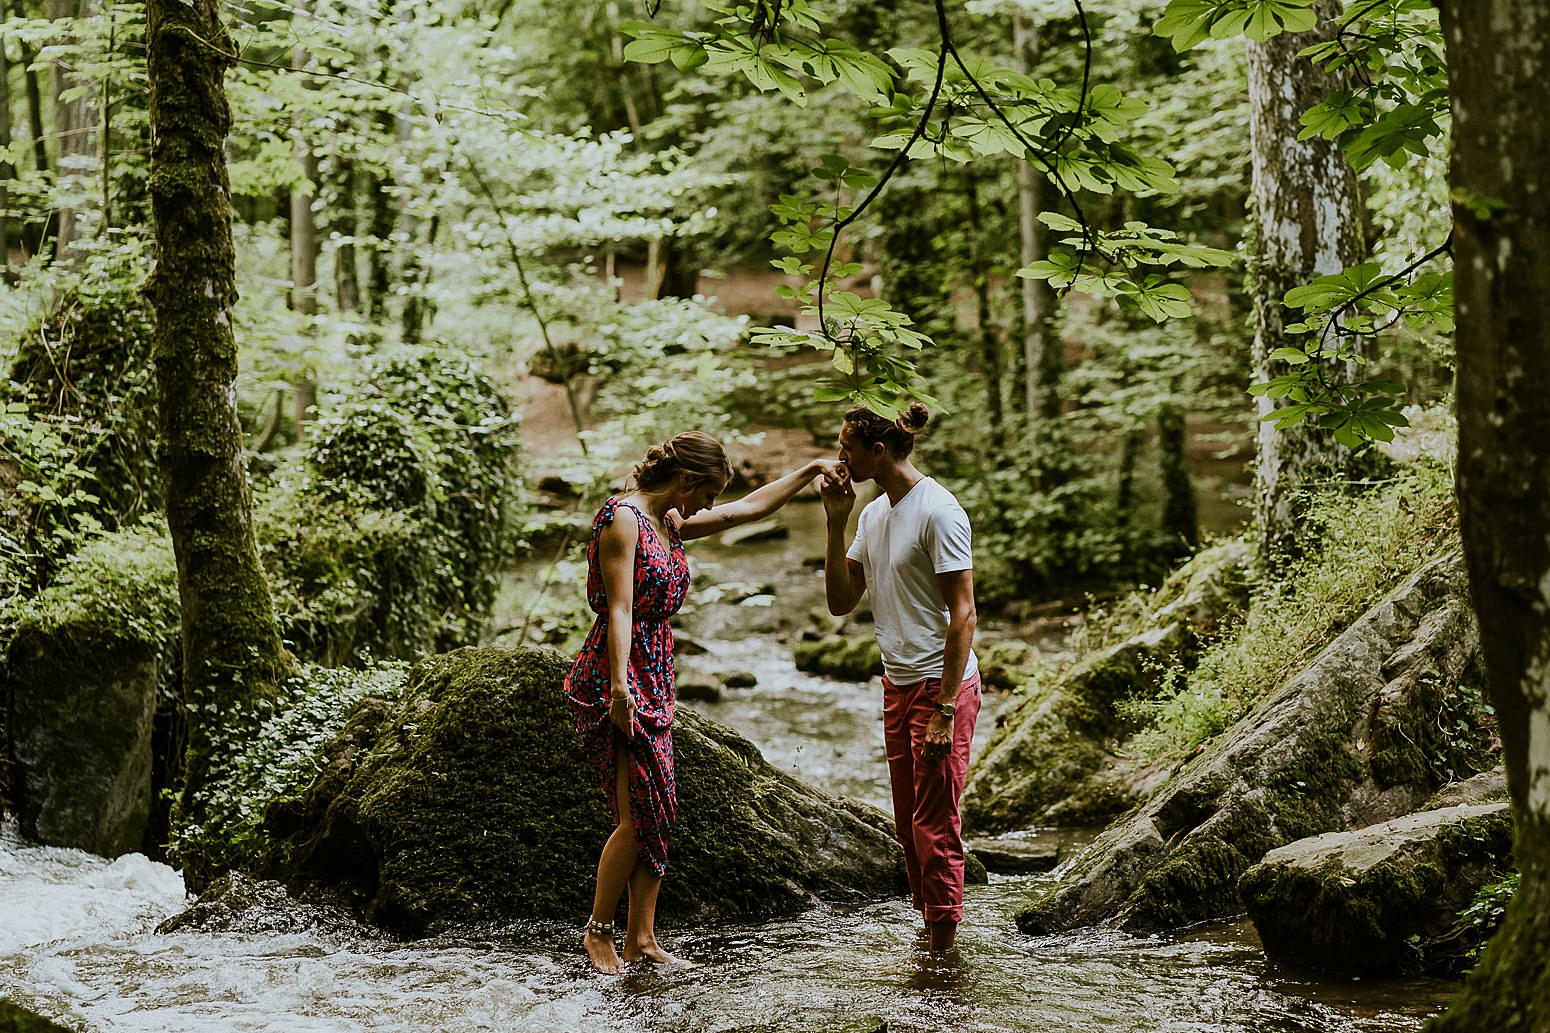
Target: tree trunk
[(1042, 361), (347, 286), (75, 123), (7, 170), (304, 246), (1180, 519), (232, 653), (1307, 223), (991, 365), (1499, 68)]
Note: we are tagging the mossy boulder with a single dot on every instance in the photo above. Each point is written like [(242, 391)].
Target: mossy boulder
[(14, 1018), (468, 802), (1305, 761), (853, 657), (83, 673), (1379, 900), (1051, 759)]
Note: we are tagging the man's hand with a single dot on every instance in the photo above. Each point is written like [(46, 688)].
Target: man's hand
[(938, 740), (839, 498)]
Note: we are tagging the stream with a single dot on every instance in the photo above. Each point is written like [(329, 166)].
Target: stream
[(78, 940)]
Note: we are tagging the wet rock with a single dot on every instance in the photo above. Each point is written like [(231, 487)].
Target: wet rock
[(238, 903), (1305, 761), (758, 531), (853, 658), (468, 801), (1005, 665), (1486, 787), (1015, 855), (556, 485), (1052, 759), (696, 690), (83, 689), (683, 645), (1378, 900), (14, 1018), (739, 680)]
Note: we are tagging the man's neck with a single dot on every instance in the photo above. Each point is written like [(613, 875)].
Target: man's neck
[(897, 480)]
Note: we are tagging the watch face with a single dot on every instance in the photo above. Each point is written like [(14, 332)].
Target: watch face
[(947, 709)]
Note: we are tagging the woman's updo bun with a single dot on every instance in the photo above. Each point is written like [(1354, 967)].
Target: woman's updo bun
[(699, 457), (898, 435)]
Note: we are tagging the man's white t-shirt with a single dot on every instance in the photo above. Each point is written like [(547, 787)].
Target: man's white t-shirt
[(902, 549)]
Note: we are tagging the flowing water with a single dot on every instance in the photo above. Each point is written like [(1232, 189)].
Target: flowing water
[(78, 940)]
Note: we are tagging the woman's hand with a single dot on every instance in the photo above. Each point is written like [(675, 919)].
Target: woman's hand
[(829, 470), (621, 711), (838, 496)]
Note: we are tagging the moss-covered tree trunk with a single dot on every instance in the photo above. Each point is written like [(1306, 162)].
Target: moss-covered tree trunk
[(1499, 68), (304, 241), (1307, 223), (231, 642)]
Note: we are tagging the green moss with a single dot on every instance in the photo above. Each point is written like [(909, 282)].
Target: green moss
[(16, 1019), (1367, 544), (470, 802), (855, 658)]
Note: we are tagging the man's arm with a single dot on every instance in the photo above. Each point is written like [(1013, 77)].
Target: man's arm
[(844, 579), (958, 593)]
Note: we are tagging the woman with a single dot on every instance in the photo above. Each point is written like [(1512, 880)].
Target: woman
[(621, 685)]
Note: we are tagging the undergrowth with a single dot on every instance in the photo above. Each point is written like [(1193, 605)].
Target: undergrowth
[(1364, 545)]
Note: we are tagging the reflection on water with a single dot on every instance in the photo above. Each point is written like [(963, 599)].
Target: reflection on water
[(77, 938)]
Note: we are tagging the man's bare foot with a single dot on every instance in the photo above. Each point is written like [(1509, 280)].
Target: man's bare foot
[(653, 953), (601, 952)]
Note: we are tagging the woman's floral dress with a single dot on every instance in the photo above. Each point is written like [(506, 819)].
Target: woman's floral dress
[(661, 580)]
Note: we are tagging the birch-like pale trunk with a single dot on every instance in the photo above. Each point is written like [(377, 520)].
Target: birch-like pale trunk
[(1307, 223)]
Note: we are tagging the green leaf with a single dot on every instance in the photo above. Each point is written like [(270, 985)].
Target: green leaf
[(1292, 356)]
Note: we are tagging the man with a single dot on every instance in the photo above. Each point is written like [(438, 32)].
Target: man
[(912, 548)]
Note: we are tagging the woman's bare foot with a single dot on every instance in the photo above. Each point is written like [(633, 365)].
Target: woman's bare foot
[(653, 953), (601, 952)]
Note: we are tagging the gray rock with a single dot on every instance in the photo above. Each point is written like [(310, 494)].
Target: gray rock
[(1052, 759), (1015, 855), (739, 680), (1308, 759), (83, 696), (694, 690), (1381, 899), (683, 645), (1486, 787), (759, 531)]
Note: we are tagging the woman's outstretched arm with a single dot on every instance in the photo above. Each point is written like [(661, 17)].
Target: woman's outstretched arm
[(759, 503)]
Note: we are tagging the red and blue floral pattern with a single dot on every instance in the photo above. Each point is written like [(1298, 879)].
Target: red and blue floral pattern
[(661, 581)]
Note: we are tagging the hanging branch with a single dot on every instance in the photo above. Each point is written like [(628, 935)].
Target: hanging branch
[(532, 303)]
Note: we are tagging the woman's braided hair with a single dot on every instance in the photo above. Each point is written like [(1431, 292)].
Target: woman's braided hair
[(699, 457), (898, 435)]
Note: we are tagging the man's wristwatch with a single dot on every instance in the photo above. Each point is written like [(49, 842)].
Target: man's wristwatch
[(946, 710)]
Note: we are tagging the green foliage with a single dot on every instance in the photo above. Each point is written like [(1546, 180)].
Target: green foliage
[(391, 542), (1395, 109), (1486, 911), (1365, 545), (126, 581), (78, 418), (930, 103), (274, 753)]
